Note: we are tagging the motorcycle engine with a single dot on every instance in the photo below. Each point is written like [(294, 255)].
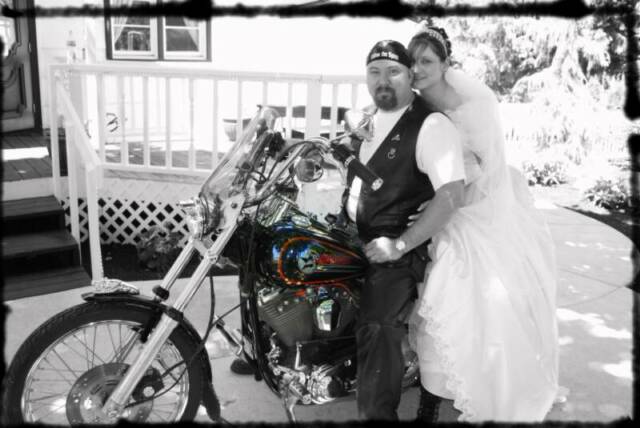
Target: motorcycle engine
[(315, 312)]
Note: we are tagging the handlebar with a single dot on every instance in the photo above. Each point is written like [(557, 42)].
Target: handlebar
[(290, 150), (342, 154)]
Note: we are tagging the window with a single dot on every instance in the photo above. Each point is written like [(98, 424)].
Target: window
[(8, 30), (155, 38)]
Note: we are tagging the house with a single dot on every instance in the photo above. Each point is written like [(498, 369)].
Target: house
[(140, 108)]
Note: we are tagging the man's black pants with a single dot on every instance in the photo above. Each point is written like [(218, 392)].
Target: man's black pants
[(386, 301)]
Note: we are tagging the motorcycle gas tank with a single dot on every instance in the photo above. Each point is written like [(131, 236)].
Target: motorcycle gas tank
[(299, 251)]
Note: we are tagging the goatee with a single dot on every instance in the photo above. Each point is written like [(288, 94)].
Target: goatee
[(385, 98)]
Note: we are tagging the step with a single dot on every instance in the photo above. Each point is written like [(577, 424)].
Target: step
[(38, 251), (30, 207), (34, 244), (32, 215), (44, 282)]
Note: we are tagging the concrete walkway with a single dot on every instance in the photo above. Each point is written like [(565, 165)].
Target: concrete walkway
[(594, 314)]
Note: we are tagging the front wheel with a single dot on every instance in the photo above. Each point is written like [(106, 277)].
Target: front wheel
[(68, 367)]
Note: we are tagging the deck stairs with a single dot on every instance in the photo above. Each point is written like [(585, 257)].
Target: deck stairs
[(39, 255)]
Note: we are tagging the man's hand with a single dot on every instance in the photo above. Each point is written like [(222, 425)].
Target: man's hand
[(382, 250)]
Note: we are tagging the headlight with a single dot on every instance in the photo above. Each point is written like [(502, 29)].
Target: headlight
[(195, 216)]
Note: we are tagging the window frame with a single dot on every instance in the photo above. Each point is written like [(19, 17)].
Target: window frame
[(157, 41), (203, 36)]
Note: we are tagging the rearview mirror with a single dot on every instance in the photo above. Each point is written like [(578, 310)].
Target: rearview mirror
[(309, 167)]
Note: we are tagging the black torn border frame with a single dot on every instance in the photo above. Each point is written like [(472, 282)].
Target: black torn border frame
[(396, 10)]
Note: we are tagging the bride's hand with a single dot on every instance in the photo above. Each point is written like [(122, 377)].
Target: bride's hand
[(414, 217)]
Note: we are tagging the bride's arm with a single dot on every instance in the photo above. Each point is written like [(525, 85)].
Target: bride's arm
[(440, 155), (436, 215)]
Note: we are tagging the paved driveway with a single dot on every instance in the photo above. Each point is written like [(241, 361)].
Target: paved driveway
[(594, 317)]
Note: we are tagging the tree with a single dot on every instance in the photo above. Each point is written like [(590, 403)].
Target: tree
[(503, 50)]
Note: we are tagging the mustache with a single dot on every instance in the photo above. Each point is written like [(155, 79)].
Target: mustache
[(384, 88)]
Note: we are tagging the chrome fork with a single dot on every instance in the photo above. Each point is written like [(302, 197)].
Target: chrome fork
[(116, 402)]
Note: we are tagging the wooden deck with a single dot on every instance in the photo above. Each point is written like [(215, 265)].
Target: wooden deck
[(25, 156), (157, 156)]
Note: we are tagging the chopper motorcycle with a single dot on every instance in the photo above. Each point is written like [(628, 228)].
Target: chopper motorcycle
[(122, 355)]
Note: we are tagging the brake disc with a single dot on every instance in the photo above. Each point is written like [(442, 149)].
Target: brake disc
[(92, 389)]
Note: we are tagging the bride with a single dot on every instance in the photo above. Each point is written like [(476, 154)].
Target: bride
[(484, 325)]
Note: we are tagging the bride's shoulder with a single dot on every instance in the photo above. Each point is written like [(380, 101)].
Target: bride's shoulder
[(439, 119)]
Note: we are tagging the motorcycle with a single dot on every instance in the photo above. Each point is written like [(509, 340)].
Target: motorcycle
[(122, 355)]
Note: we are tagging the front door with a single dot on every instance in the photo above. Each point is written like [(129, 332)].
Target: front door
[(20, 103)]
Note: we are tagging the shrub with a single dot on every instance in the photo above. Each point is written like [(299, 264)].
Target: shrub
[(612, 194), (545, 172), (157, 247)]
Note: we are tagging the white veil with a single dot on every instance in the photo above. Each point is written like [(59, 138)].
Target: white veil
[(504, 204), (500, 233)]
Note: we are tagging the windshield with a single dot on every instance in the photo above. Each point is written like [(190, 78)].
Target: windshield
[(230, 176)]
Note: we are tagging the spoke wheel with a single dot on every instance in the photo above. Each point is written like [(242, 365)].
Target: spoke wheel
[(69, 366)]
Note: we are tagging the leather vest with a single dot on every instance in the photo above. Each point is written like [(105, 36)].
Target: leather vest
[(386, 211)]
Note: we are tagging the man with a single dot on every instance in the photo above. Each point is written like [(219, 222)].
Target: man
[(418, 154)]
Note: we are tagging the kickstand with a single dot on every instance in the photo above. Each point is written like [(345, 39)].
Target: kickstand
[(289, 400)]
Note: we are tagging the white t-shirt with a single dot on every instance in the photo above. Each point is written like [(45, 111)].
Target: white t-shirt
[(438, 151)]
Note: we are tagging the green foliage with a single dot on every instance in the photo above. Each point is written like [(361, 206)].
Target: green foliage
[(157, 247), (614, 28), (612, 194), (545, 172), (502, 50)]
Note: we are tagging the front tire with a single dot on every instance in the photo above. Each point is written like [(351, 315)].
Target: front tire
[(65, 370)]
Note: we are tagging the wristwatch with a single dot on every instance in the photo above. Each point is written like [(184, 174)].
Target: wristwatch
[(400, 245)]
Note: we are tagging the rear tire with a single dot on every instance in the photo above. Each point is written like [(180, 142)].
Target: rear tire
[(65, 370)]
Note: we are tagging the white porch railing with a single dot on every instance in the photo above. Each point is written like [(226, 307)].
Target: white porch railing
[(179, 120), (80, 156)]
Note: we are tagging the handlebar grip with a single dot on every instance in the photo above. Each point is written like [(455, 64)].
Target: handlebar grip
[(362, 171)]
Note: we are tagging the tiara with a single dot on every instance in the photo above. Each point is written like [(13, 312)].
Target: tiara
[(434, 35)]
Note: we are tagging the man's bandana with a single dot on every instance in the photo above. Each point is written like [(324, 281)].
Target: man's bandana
[(391, 50)]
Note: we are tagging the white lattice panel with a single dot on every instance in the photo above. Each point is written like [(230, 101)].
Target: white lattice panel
[(130, 206), (82, 209)]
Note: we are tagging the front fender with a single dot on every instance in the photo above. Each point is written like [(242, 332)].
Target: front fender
[(209, 398)]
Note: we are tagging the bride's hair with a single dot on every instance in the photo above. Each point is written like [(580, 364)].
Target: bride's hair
[(434, 37)]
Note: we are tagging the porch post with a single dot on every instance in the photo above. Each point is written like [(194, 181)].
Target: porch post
[(53, 134), (77, 95), (72, 172), (313, 108), (312, 119), (94, 223)]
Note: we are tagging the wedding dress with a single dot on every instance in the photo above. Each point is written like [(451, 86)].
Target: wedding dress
[(484, 325)]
